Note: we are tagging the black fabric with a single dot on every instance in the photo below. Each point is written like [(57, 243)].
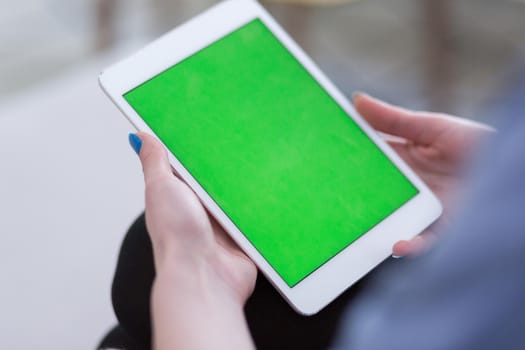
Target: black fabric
[(132, 284), (272, 322), (118, 339), (275, 325)]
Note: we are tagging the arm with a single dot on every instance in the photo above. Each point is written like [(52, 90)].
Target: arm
[(467, 292), (191, 310)]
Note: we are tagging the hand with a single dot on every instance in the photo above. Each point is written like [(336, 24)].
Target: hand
[(181, 229), (202, 278), (435, 146)]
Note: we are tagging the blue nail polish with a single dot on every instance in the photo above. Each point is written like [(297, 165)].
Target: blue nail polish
[(135, 142)]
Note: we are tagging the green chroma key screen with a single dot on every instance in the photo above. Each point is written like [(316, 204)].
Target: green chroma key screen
[(275, 151)]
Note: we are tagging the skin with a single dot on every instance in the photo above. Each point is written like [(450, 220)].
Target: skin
[(436, 146), (203, 279)]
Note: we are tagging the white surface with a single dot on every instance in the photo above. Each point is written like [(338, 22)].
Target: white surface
[(324, 284), (69, 187)]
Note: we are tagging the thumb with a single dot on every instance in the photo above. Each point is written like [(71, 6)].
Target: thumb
[(152, 155), (415, 126)]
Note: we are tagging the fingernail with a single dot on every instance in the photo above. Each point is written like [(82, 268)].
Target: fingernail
[(135, 142), (357, 94), (396, 256)]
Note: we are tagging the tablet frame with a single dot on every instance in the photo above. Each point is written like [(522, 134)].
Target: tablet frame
[(331, 279)]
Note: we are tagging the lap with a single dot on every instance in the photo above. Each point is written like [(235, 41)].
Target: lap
[(272, 322)]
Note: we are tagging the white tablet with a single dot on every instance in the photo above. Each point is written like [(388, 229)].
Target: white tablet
[(274, 151)]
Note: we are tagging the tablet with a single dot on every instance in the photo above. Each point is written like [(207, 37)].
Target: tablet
[(274, 151)]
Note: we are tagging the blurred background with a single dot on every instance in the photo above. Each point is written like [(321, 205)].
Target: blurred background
[(69, 185)]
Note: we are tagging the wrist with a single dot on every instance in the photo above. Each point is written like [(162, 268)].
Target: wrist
[(185, 304), (195, 277)]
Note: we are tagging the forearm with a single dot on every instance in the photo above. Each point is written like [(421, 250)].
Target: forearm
[(192, 310)]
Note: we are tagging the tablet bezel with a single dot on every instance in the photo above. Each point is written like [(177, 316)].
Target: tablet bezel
[(332, 278)]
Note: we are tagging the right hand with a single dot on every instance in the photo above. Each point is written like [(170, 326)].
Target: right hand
[(435, 146)]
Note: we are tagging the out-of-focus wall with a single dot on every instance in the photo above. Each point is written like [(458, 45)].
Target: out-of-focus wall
[(449, 55)]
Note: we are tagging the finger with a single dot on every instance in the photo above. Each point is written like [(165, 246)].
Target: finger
[(396, 121), (415, 246), (153, 157), (407, 248)]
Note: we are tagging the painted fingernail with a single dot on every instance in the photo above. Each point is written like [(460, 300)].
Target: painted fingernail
[(135, 142)]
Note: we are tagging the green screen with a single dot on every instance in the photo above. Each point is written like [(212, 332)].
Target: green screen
[(281, 158)]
